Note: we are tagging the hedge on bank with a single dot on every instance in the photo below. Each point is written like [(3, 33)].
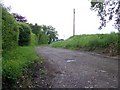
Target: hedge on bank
[(9, 31), (24, 34)]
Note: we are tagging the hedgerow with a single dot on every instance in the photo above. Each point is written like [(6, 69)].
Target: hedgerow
[(15, 59), (24, 34), (9, 31)]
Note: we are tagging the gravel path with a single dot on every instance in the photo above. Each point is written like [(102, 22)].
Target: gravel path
[(73, 69)]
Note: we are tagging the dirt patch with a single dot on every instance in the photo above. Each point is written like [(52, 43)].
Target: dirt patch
[(110, 51)]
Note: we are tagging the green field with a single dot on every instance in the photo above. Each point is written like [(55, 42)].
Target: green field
[(90, 42)]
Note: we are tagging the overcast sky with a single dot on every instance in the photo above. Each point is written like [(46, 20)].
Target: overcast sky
[(59, 14)]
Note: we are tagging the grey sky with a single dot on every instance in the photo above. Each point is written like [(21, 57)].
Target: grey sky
[(59, 14)]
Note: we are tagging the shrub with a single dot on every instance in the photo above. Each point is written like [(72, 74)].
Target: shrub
[(43, 39), (24, 34), (34, 39)]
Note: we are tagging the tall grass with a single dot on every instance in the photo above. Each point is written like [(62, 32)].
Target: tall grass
[(15, 62), (88, 41)]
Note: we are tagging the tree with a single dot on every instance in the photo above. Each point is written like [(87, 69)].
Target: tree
[(36, 29), (107, 10), (19, 18), (50, 32), (45, 34)]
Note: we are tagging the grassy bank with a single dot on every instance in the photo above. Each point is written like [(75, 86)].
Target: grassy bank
[(91, 42), (15, 62)]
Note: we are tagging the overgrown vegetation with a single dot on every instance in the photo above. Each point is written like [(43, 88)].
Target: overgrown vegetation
[(15, 62), (24, 34), (9, 31), (18, 41), (45, 34), (91, 42), (34, 40)]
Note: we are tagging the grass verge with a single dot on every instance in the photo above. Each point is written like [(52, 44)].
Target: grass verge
[(109, 42), (15, 62)]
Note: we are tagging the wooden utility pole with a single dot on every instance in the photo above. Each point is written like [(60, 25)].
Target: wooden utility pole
[(73, 22)]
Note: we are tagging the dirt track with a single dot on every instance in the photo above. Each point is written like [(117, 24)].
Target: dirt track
[(73, 69)]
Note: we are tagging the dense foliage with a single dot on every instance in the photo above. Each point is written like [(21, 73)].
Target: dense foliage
[(45, 34), (15, 62), (17, 33), (9, 31), (43, 38), (34, 40), (51, 33), (24, 34)]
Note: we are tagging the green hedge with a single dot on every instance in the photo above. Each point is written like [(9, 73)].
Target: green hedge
[(24, 34), (34, 40), (9, 31), (43, 39)]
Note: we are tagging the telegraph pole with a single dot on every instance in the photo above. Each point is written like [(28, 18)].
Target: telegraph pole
[(73, 22)]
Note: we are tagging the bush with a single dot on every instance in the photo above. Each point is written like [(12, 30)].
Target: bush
[(24, 34), (9, 31), (34, 40), (43, 39)]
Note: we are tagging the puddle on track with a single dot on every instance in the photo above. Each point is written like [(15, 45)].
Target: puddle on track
[(70, 60)]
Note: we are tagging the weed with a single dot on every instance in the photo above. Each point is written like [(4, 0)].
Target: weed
[(15, 62)]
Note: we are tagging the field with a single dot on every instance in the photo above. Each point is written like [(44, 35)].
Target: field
[(109, 42)]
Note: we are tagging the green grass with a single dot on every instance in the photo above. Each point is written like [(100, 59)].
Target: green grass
[(91, 41), (14, 62)]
